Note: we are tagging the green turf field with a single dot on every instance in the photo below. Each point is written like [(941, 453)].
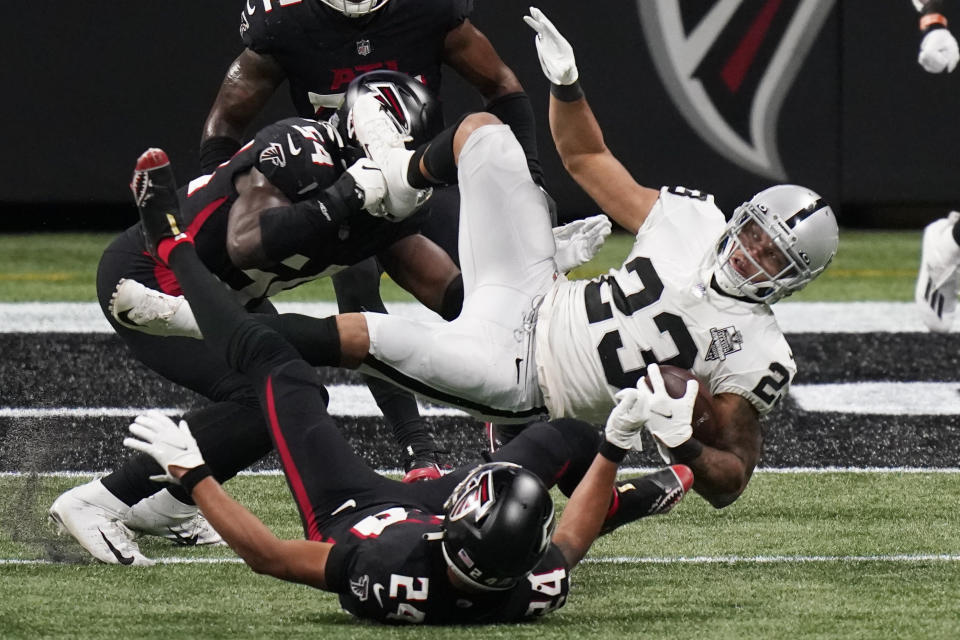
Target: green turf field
[(827, 555), (870, 265), (806, 555)]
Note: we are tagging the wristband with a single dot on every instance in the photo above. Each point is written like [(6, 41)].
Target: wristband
[(215, 151), (687, 451), (612, 452), (191, 478), (933, 21), (566, 92)]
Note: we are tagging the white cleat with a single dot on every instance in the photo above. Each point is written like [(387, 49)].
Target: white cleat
[(92, 515), (383, 143), (149, 311), (938, 282), (163, 515)]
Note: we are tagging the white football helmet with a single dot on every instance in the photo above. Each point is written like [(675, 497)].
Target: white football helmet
[(801, 226), (355, 8)]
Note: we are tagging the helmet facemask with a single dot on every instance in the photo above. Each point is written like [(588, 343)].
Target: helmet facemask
[(355, 8), (781, 239)]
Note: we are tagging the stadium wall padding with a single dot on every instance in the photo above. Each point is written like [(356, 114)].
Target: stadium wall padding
[(88, 86)]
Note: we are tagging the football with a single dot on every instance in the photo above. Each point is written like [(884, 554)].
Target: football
[(704, 426)]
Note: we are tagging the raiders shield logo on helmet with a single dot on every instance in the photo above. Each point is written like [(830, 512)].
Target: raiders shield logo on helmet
[(728, 64)]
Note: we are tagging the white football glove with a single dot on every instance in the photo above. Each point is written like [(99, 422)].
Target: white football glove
[(369, 179), (939, 51), (159, 437), (555, 53), (625, 423), (669, 420), (578, 241)]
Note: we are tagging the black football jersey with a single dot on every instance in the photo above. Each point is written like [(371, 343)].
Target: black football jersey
[(300, 157), (391, 569), (321, 50)]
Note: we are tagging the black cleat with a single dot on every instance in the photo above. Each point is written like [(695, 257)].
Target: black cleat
[(155, 192), (649, 495)]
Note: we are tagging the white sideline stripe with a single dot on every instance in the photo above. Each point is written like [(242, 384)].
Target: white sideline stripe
[(794, 317), (345, 400), (875, 398), (880, 398), (705, 560)]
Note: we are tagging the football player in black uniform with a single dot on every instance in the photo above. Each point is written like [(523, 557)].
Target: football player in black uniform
[(319, 46), (475, 546), (286, 209)]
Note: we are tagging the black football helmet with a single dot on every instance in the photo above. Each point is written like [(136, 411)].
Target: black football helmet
[(497, 527), (407, 100)]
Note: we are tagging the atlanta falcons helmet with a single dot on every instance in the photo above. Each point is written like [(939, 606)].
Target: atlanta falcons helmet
[(355, 8), (799, 223), (414, 107), (497, 527)]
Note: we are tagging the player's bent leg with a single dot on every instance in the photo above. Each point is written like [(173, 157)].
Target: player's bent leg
[(472, 363), (505, 233), (650, 495), (324, 474), (558, 451), (358, 289)]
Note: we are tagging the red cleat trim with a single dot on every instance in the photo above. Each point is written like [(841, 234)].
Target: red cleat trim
[(684, 475), (152, 158), (422, 473)]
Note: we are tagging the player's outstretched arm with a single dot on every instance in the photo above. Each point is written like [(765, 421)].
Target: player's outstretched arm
[(586, 511), (578, 137), (247, 86), (176, 451)]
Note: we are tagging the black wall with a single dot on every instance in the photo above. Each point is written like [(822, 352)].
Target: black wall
[(88, 85)]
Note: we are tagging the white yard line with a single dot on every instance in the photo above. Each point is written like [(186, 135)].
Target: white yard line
[(794, 317)]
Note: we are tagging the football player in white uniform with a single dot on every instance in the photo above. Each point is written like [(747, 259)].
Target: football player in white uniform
[(693, 292), (938, 282)]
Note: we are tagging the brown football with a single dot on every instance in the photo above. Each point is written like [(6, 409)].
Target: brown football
[(704, 426)]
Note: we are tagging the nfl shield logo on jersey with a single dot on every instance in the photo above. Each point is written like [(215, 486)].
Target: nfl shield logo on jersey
[(363, 47)]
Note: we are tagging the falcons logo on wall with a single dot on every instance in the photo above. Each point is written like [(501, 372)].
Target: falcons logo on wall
[(728, 65)]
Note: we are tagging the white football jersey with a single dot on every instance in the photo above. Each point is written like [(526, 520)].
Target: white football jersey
[(595, 337)]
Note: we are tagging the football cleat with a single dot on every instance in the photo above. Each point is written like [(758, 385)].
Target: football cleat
[(93, 516), (149, 311), (155, 192), (383, 143), (938, 282), (650, 495), (424, 466), (163, 515)]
